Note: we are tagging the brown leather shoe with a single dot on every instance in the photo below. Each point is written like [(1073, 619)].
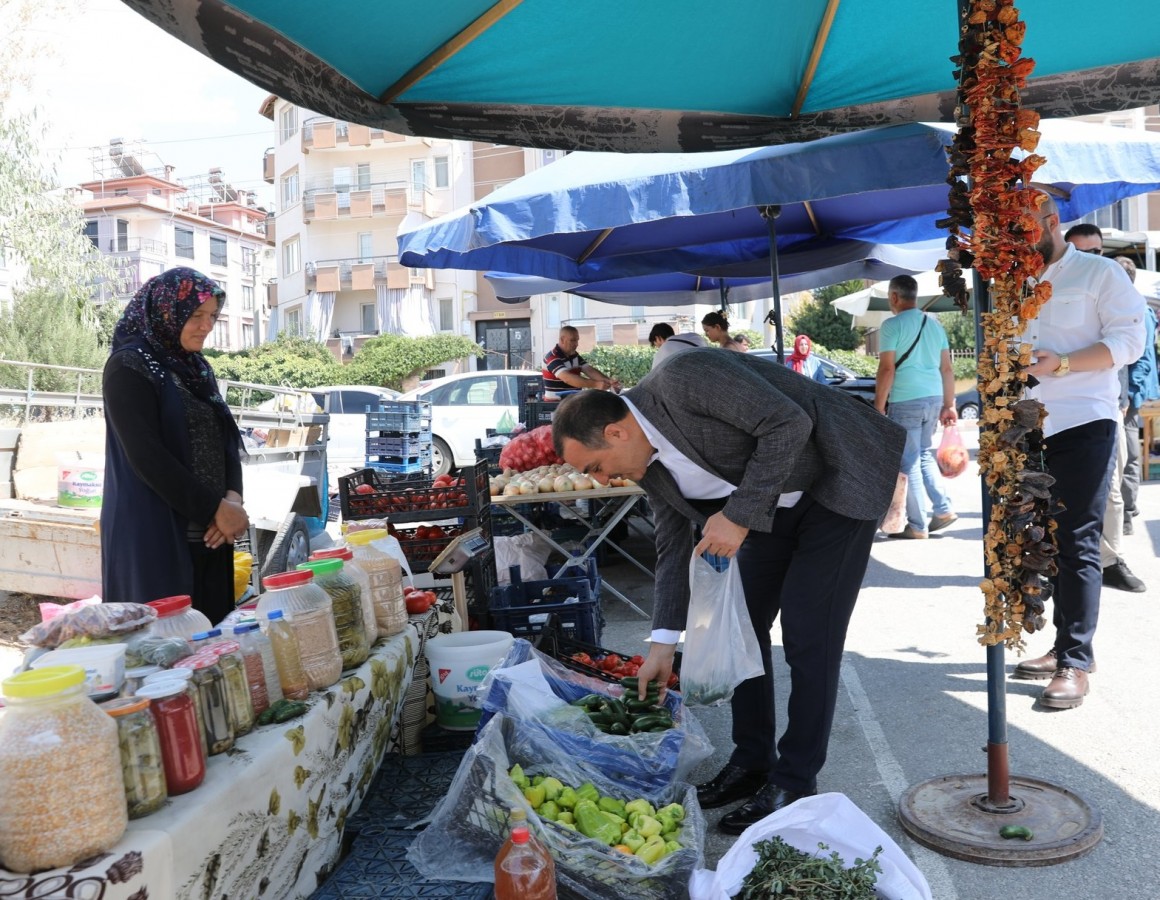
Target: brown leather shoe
[(1041, 668), (1067, 689)]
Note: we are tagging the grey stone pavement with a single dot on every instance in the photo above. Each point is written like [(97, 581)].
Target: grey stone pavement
[(913, 706)]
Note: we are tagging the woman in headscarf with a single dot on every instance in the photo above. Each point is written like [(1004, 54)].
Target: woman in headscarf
[(802, 361), (716, 328), (173, 476)]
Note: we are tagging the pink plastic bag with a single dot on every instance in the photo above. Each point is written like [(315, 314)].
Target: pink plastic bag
[(952, 454)]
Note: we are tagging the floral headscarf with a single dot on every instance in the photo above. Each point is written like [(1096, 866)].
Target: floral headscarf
[(152, 324)]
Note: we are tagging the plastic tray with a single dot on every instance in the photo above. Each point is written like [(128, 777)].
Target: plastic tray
[(405, 790), (400, 417), (402, 445)]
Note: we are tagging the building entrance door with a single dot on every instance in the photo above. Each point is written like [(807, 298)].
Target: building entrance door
[(508, 343)]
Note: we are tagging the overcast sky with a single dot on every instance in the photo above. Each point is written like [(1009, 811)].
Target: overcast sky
[(110, 73)]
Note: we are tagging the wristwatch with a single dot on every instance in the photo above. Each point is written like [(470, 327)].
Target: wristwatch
[(1064, 366)]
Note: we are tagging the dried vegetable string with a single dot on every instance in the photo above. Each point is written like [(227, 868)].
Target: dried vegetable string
[(994, 229)]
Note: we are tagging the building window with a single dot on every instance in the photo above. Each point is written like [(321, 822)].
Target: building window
[(290, 189), (122, 244), (446, 314), (247, 297), (553, 314), (578, 308), (249, 261), (291, 257), (342, 179), (120, 192), (183, 242), (294, 321), (442, 172), (218, 255), (418, 175), (366, 246), (287, 123), (364, 176), (219, 338), (92, 233), (368, 318), (247, 334)]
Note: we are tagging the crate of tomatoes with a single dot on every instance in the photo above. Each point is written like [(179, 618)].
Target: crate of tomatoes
[(376, 494), (590, 659), (421, 545)]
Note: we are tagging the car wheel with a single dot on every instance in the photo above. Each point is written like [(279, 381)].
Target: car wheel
[(442, 461), (283, 551), (969, 412)]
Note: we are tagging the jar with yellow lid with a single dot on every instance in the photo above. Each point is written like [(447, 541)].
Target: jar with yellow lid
[(63, 796)]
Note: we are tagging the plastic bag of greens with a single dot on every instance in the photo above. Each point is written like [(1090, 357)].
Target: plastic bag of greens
[(721, 648)]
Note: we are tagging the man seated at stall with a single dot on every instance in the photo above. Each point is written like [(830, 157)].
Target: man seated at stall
[(566, 371)]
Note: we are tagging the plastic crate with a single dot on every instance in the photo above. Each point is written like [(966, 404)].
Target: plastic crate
[(407, 498), (400, 445), (402, 465), (404, 791), (437, 740), (400, 417), (535, 413), (488, 455), (580, 619), (587, 570), (420, 552), (559, 644)]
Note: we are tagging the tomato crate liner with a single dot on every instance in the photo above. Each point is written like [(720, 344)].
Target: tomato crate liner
[(555, 642), (640, 762), (468, 827)]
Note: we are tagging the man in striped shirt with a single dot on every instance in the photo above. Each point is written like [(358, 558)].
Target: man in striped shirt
[(565, 370)]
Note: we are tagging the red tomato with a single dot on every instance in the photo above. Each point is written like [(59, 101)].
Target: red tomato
[(364, 489), (417, 603), (638, 660), (435, 532), (610, 662)]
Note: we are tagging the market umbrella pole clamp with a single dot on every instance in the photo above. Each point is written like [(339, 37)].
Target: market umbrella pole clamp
[(770, 214)]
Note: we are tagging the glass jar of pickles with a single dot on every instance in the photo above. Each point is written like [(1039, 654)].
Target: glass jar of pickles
[(307, 608), (207, 677), (346, 603), (142, 768), (238, 701)]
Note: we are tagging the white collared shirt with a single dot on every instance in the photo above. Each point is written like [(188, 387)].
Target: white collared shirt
[(1092, 300), (694, 483)]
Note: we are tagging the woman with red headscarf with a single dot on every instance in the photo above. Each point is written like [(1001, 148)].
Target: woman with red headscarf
[(802, 361), (173, 476)]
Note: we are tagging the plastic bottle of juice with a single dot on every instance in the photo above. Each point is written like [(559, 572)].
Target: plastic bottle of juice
[(291, 676), (524, 869)]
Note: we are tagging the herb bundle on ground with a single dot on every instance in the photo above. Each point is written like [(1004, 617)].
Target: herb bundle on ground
[(783, 871)]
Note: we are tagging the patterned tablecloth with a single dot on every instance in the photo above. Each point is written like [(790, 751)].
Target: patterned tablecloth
[(268, 820)]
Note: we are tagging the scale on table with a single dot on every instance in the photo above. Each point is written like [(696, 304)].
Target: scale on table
[(453, 560)]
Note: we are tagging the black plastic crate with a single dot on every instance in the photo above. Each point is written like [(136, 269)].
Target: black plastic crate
[(421, 551), (583, 619), (377, 867), (535, 413), (405, 790), (410, 498), (437, 739), (561, 645), (490, 456)]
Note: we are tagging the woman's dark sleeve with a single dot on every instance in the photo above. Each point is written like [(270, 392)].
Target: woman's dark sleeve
[(133, 412), (233, 466)]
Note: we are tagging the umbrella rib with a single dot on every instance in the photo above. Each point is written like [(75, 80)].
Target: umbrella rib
[(815, 57), (813, 218), (448, 49), (592, 247)]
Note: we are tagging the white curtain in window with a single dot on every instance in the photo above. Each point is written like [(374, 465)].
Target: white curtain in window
[(321, 314), (273, 325), (390, 309), (418, 316)]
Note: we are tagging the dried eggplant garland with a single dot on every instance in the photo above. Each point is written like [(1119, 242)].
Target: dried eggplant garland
[(993, 231)]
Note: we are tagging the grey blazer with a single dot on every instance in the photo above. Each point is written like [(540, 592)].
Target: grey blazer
[(768, 430)]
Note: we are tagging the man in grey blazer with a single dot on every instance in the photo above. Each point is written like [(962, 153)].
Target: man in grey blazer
[(787, 475)]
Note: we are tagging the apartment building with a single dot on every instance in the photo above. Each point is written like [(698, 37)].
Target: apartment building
[(146, 220)]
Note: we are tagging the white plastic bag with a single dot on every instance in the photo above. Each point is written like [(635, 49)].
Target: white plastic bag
[(528, 551), (831, 819), (721, 648)]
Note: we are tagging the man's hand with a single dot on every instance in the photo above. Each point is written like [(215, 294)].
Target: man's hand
[(720, 537), (658, 666), (1046, 362), (949, 416)]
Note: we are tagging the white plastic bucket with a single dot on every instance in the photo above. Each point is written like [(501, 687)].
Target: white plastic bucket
[(459, 662), (80, 480)]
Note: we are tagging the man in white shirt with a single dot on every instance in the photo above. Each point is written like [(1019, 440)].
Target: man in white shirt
[(1091, 326), (781, 472)]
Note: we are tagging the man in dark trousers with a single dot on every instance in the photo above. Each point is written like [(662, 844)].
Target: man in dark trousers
[(789, 477)]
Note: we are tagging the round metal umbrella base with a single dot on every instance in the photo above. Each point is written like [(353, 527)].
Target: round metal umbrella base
[(952, 815)]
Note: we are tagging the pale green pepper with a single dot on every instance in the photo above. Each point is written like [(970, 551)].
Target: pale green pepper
[(534, 795), (564, 818), (552, 788), (612, 805), (549, 810), (675, 810), (633, 840), (648, 826), (567, 798), (651, 852), (517, 775), (640, 805), (596, 824), (587, 791)]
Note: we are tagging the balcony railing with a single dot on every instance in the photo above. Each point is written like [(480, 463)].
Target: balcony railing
[(268, 166), (394, 198), (138, 245), (356, 273), (323, 133)]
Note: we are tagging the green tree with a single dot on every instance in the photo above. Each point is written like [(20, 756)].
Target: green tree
[(960, 330), (627, 363), (756, 338), (45, 327), (290, 360), (824, 324), (389, 360)]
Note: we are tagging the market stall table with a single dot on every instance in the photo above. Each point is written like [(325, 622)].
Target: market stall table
[(268, 819), (600, 518)]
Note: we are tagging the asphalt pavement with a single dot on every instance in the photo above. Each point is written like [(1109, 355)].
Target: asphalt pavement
[(913, 706)]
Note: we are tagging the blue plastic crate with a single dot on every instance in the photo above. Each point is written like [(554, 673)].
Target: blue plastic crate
[(401, 465), (401, 417), (405, 790), (401, 445), (587, 570), (579, 621), (553, 591), (377, 867)]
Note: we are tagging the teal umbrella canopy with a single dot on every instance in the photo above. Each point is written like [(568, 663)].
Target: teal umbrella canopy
[(653, 75)]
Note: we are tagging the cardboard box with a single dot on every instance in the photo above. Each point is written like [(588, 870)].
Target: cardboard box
[(294, 437)]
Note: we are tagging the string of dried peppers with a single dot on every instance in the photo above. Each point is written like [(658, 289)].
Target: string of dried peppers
[(994, 230)]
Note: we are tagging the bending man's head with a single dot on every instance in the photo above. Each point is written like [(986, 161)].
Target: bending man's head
[(594, 432)]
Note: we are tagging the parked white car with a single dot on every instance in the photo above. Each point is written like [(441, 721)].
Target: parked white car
[(465, 406), (348, 404)]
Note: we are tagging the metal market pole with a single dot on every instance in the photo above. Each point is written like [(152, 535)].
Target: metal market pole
[(770, 214)]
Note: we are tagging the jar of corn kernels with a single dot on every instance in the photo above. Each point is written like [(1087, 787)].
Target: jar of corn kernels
[(63, 797)]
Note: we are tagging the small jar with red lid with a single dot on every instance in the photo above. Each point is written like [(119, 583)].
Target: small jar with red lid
[(176, 617), (351, 567), (238, 700), (207, 677), (176, 720), (142, 768), (307, 608)]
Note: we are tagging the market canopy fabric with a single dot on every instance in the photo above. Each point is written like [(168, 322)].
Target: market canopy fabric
[(597, 216), (813, 267), (654, 75)]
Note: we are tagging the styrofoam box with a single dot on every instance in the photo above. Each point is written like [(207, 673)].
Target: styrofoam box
[(104, 666)]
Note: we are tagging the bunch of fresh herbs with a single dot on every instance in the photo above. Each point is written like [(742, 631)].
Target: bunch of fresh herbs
[(783, 871)]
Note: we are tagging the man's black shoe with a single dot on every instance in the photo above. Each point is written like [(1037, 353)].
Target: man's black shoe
[(732, 783), (1120, 577), (769, 799)]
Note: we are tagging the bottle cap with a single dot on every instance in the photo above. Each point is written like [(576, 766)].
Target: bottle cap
[(365, 536), (246, 627), (199, 636), (322, 566), (171, 606), (122, 706), (343, 553), (214, 632), (275, 614), (42, 682), (520, 835), (288, 579), (156, 690)]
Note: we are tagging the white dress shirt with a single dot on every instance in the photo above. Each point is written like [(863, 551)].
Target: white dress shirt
[(1092, 300), (694, 483)]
